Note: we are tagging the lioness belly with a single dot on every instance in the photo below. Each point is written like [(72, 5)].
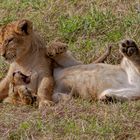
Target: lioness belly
[(89, 81)]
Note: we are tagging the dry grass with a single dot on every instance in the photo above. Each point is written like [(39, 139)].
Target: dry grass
[(77, 119), (87, 26)]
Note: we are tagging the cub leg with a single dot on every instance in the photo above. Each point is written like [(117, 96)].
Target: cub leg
[(13, 97), (4, 84), (45, 91)]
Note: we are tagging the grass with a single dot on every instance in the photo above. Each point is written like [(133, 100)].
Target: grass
[(77, 119), (88, 27)]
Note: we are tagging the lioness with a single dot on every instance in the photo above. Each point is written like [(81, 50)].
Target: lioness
[(24, 50), (19, 93), (102, 81)]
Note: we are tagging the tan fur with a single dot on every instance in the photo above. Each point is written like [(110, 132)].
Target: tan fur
[(102, 81), (59, 53), (25, 51)]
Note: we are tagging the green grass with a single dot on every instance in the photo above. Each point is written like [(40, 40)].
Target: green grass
[(97, 23), (88, 27)]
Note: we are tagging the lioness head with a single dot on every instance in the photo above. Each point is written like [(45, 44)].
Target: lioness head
[(15, 40)]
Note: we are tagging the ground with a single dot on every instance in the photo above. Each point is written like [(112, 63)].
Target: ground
[(88, 27)]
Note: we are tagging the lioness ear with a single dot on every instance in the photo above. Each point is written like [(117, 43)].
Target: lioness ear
[(24, 27)]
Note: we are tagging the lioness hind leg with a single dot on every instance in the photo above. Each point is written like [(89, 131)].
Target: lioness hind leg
[(109, 98), (56, 48), (120, 95)]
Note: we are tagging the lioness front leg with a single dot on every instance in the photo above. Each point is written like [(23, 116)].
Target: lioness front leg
[(129, 49), (56, 48), (45, 91), (59, 53)]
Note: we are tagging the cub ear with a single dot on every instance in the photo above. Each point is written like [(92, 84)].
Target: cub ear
[(24, 27)]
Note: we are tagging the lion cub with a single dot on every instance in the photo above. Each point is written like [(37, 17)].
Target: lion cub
[(19, 93)]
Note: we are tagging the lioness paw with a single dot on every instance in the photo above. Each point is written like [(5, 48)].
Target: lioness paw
[(129, 48), (108, 99), (56, 48), (112, 98)]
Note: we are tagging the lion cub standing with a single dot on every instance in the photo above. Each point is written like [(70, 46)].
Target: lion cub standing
[(19, 92)]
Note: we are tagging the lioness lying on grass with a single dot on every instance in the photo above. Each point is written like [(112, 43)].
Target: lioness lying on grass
[(101, 81)]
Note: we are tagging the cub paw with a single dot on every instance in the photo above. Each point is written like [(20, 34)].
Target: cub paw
[(27, 100), (10, 100), (129, 48), (56, 48)]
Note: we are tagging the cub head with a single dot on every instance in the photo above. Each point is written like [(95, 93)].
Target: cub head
[(15, 40), (20, 79)]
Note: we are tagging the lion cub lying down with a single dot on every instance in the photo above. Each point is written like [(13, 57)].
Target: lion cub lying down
[(19, 93)]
